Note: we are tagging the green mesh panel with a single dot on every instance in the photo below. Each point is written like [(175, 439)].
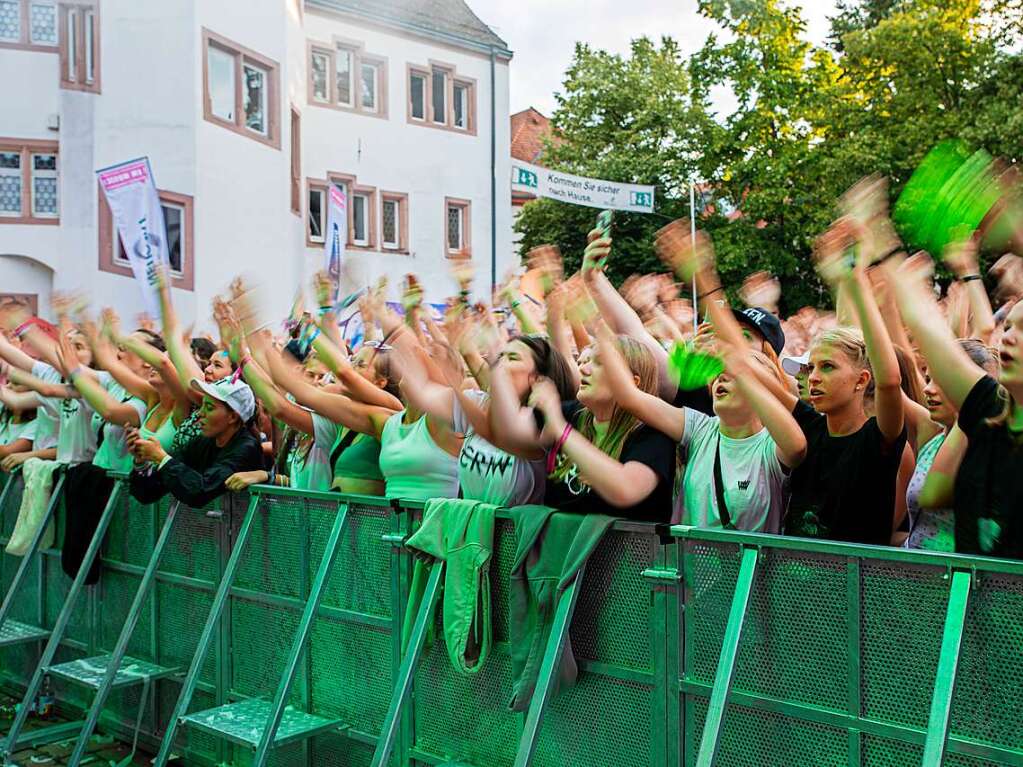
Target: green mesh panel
[(797, 611), (117, 591), (276, 546), (183, 613), (903, 615), (602, 720), (351, 673), (9, 512), (465, 718), (292, 755), (261, 637), (57, 587), (710, 572), (130, 536), (752, 738), (612, 618), (194, 546), (361, 578), (188, 741), (988, 704), (339, 751)]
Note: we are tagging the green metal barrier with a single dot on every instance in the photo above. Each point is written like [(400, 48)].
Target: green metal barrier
[(825, 654), (845, 655)]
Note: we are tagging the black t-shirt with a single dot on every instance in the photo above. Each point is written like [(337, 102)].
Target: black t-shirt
[(695, 399), (989, 484), (645, 445), (845, 489)]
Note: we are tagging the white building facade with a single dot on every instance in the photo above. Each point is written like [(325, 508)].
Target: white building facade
[(247, 109)]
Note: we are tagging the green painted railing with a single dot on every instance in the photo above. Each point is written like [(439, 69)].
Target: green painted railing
[(694, 646)]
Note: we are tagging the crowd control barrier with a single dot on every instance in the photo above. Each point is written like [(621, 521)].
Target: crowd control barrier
[(266, 629)]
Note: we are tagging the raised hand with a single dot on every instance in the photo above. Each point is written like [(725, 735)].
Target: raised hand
[(761, 289), (678, 250), (546, 399), (833, 253), (597, 252)]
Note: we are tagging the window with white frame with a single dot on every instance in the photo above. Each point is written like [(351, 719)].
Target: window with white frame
[(392, 222), (315, 212), (29, 183), (342, 75), (10, 184), (174, 221), (441, 98), (370, 74), (320, 77), (240, 89), (417, 95), (79, 51), (457, 233), (255, 98), (179, 222), (28, 23), (360, 219), (44, 185)]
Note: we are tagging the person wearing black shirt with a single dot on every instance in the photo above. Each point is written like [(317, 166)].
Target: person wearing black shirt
[(600, 458), (989, 483), (845, 489), (197, 473)]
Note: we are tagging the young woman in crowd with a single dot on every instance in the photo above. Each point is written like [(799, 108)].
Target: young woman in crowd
[(17, 426), (986, 497), (737, 461)]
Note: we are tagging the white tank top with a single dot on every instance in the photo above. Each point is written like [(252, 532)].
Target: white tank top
[(414, 466)]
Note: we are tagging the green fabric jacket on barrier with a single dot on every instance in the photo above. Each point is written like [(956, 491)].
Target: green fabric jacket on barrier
[(551, 547), (461, 534)]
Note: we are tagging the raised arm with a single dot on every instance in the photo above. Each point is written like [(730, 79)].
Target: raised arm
[(39, 386), (788, 437), (512, 426), (365, 419), (622, 485), (947, 363), (962, 259), (277, 405), (648, 408), (15, 356)]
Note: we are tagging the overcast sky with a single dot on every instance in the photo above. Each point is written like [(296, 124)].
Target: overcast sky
[(542, 33)]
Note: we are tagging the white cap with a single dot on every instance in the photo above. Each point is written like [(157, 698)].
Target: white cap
[(235, 394), (792, 365)]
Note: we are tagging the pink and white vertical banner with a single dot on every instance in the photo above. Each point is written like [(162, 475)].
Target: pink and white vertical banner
[(336, 236), (135, 203)]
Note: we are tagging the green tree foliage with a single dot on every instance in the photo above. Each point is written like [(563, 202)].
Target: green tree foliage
[(899, 76)]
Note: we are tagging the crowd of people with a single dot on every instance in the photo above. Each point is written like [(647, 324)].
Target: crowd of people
[(894, 420)]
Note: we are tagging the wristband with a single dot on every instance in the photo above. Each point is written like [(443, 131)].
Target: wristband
[(710, 292), (970, 278), (515, 305), (24, 327), (326, 309), (552, 456), (241, 367)]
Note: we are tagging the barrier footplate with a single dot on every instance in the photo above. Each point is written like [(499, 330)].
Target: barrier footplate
[(244, 722), (15, 632), (90, 671)]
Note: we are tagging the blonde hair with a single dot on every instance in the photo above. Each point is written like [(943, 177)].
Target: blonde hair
[(622, 423), (850, 342)]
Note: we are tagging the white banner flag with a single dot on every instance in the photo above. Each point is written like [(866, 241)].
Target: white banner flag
[(135, 203), (578, 190), (336, 236)]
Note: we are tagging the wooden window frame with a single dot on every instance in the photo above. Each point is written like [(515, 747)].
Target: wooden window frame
[(359, 57), (243, 55), (25, 41), (466, 206), (26, 148), (320, 185), (185, 280), (296, 161), (451, 78), (403, 218), (79, 83)]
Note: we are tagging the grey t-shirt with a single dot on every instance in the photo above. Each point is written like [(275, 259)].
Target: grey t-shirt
[(753, 477), (48, 412), (487, 473)]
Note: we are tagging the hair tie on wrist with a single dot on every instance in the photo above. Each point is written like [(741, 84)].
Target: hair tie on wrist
[(710, 292), (970, 278)]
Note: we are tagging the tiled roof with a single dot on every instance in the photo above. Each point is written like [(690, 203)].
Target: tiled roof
[(528, 129), (450, 20)]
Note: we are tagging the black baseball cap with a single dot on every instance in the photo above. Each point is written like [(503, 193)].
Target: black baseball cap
[(765, 323)]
